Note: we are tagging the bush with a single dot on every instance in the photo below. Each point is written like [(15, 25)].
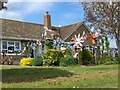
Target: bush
[(25, 62), (107, 60), (76, 60), (38, 61), (49, 43), (68, 51), (52, 57), (66, 60), (85, 57)]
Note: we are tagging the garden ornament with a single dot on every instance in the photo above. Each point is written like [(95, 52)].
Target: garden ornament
[(93, 37), (38, 42), (79, 40)]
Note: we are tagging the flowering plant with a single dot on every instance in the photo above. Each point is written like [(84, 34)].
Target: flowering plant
[(25, 62)]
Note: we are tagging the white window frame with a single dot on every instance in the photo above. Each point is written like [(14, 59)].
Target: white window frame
[(7, 46)]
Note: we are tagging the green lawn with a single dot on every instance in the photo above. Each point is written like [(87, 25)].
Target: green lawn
[(101, 76)]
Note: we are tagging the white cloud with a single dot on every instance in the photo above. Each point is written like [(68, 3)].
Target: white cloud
[(44, 1), (19, 10), (10, 15)]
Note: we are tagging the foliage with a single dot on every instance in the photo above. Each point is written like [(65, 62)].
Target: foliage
[(66, 60), (49, 43), (25, 62), (76, 60), (103, 17), (107, 60), (68, 51), (38, 61), (52, 57), (102, 43), (107, 44), (85, 57)]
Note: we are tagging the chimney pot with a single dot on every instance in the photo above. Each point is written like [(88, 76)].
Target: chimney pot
[(47, 12)]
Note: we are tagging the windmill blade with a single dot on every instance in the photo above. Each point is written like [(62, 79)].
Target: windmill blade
[(79, 36), (93, 41), (89, 38), (81, 44), (75, 37), (81, 41), (83, 33), (96, 35)]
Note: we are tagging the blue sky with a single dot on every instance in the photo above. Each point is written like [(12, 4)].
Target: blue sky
[(62, 13)]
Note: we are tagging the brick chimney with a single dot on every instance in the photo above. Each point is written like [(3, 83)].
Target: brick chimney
[(47, 20)]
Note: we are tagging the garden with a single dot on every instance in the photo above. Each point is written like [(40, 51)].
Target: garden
[(62, 68), (50, 62)]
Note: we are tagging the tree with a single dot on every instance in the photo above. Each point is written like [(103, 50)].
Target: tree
[(104, 18)]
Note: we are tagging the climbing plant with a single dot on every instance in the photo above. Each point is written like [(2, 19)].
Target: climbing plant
[(105, 44), (102, 43)]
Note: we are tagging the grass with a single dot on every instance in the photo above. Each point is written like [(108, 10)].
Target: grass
[(101, 76)]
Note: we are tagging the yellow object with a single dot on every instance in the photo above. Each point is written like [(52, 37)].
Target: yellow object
[(26, 61)]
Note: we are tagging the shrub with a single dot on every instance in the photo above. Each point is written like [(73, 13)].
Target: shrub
[(108, 60), (25, 62), (52, 57), (85, 57), (107, 63), (76, 60), (68, 51), (38, 61), (49, 43), (66, 60)]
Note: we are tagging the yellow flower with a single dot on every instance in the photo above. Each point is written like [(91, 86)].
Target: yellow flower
[(25, 61), (65, 56)]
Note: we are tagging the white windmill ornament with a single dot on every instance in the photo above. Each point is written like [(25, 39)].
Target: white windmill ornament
[(79, 40)]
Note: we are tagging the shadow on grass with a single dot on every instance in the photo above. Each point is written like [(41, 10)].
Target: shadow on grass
[(32, 74)]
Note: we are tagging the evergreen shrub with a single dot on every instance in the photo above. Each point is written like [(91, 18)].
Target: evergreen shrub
[(85, 57), (68, 51), (107, 60), (66, 60), (52, 57), (38, 61)]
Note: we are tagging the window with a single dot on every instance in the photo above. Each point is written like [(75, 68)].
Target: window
[(4, 47), (10, 47)]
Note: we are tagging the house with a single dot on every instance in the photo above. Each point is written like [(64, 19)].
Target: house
[(15, 33)]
